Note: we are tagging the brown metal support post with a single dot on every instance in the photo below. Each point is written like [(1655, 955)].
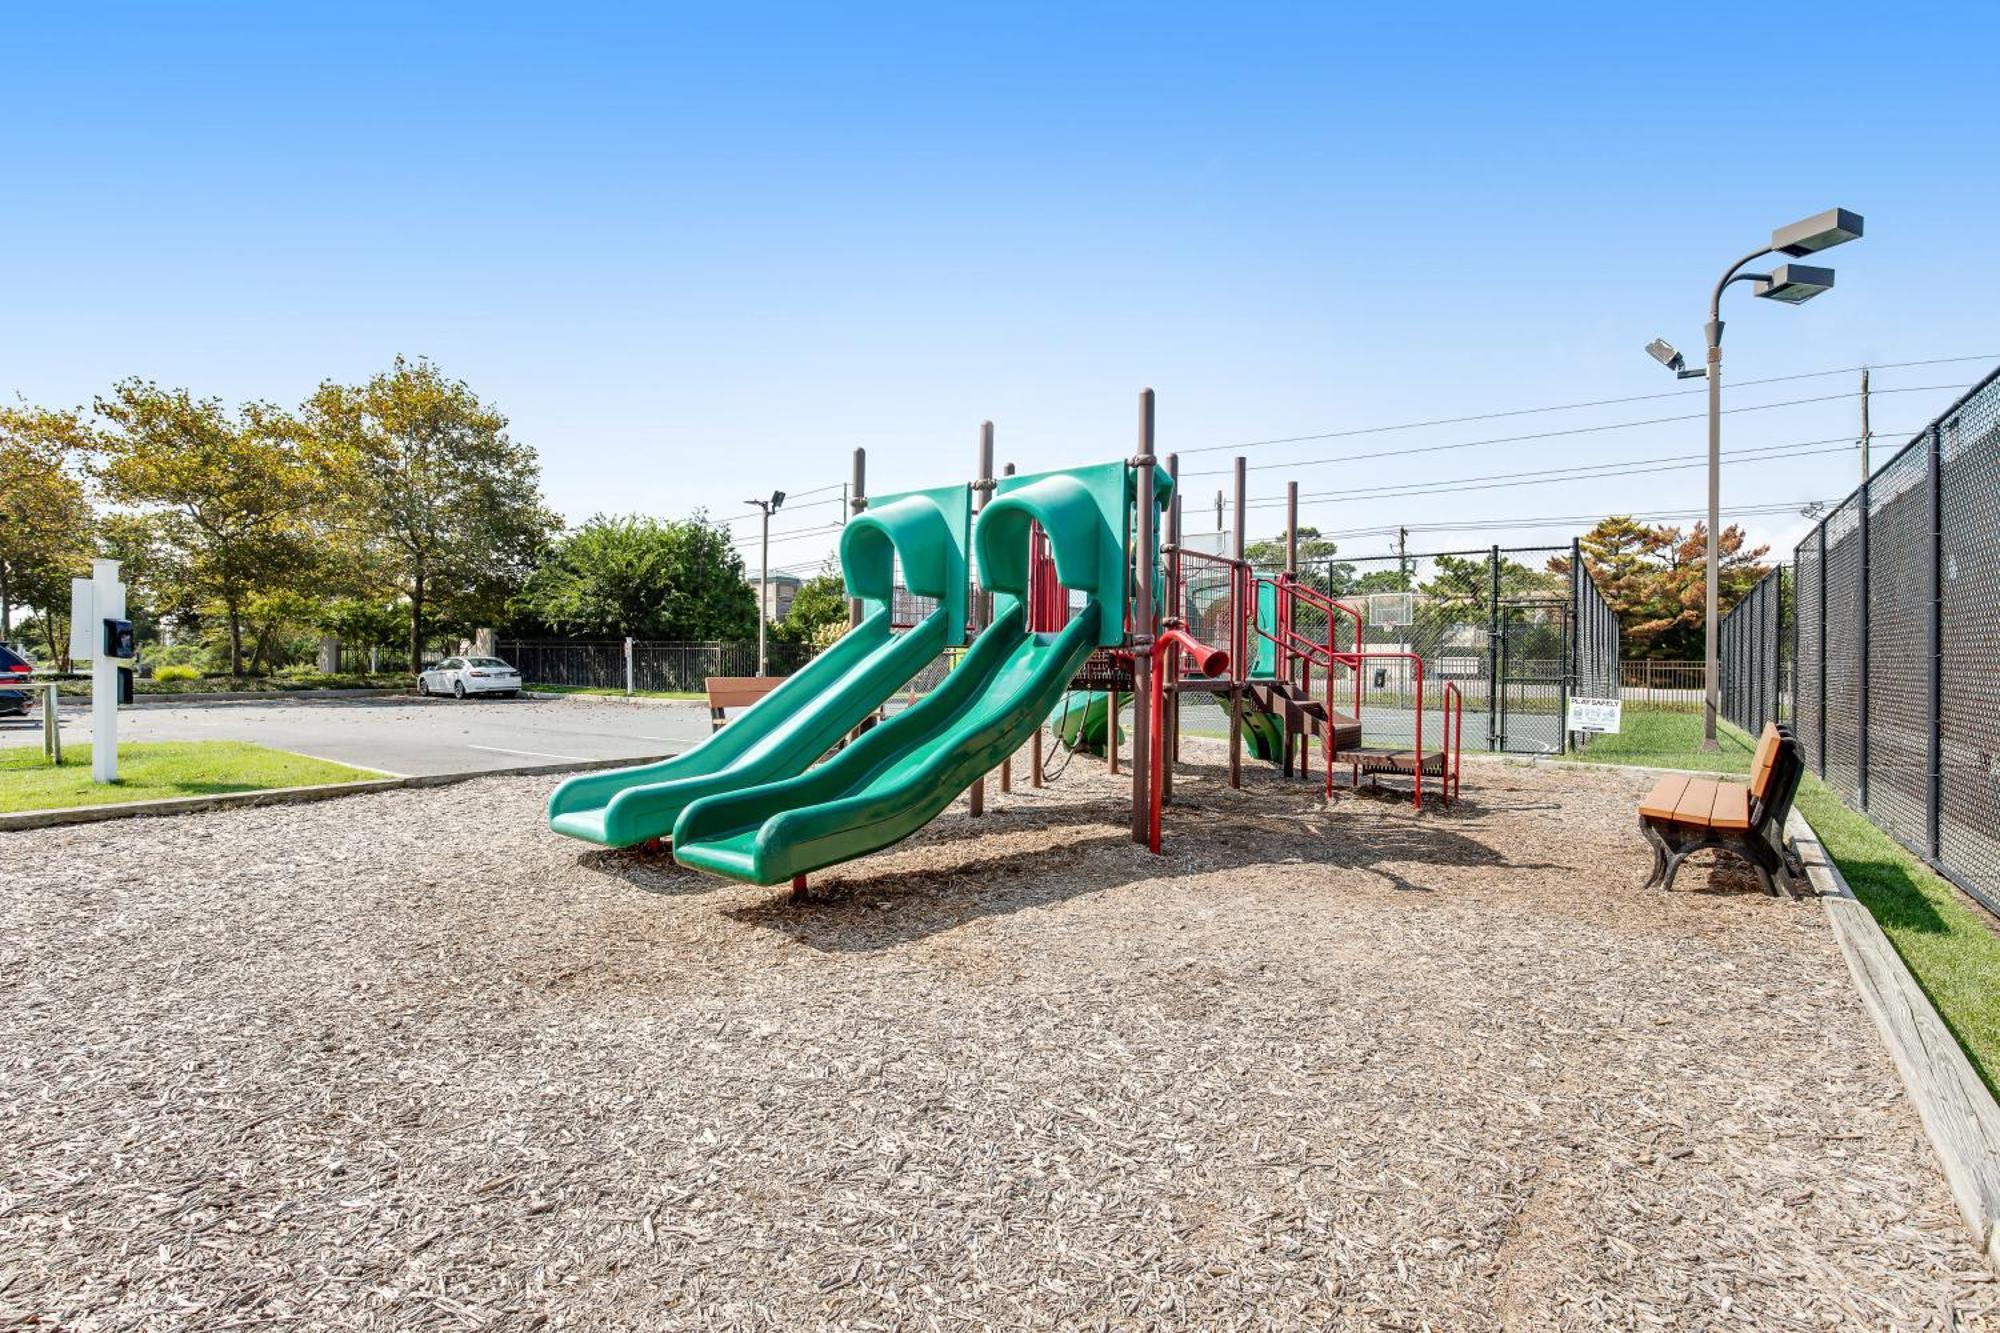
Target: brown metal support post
[(1176, 601), (1007, 764), (1142, 627), (982, 609), (1239, 638), (1291, 568), (857, 500)]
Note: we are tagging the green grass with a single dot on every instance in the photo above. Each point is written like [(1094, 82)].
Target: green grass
[(153, 770), (614, 691), (1669, 740), (1947, 943)]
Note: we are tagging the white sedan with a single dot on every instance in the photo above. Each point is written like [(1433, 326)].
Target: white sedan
[(460, 676)]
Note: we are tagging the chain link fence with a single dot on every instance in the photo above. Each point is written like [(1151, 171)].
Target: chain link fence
[(1881, 647), (656, 666), (1754, 655), (1517, 630)]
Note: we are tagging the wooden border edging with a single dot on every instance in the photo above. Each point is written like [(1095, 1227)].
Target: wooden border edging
[(1959, 1115), (20, 821)]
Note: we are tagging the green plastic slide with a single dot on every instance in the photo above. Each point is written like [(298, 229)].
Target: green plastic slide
[(809, 713), (905, 772)]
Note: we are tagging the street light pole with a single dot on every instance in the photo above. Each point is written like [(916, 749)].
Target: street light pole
[(1792, 284), (765, 508), (764, 592)]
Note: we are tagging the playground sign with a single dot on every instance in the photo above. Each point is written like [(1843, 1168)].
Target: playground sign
[(1595, 715)]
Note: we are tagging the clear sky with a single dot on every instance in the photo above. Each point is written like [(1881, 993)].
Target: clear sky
[(699, 254)]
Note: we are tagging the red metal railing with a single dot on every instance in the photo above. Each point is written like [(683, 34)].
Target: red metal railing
[(1298, 654), (1172, 643)]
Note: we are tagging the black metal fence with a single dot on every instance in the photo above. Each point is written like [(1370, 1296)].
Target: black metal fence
[(1895, 609), (665, 666), (1596, 641), (1754, 655)]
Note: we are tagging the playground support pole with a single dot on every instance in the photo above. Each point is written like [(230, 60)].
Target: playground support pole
[(982, 490), (1292, 528), (1169, 739), (857, 500), (1142, 627), (1241, 593), (1292, 736), (1007, 764)]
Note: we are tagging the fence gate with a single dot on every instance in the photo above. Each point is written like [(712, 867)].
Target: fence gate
[(1531, 674)]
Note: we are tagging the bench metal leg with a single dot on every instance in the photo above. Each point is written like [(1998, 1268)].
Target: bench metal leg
[(1672, 847), (1659, 846)]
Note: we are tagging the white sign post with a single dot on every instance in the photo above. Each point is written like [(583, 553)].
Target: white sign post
[(93, 601), (1596, 716)]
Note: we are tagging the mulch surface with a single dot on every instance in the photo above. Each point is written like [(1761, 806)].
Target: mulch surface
[(409, 1060)]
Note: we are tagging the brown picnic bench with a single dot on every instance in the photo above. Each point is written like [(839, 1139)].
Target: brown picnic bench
[(1685, 814), (726, 692)]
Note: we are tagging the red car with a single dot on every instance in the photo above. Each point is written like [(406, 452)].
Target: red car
[(13, 666)]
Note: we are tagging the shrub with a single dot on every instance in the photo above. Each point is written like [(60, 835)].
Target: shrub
[(176, 672)]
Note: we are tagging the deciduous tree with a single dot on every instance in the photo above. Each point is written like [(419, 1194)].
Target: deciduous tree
[(45, 516), (225, 498), (435, 496), (641, 577)]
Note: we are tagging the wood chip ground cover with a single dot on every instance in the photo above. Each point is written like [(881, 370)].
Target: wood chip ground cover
[(411, 1061)]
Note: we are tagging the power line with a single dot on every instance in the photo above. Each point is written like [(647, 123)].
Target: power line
[(1557, 520), (1554, 434), (789, 508), (1580, 472), (1568, 407)]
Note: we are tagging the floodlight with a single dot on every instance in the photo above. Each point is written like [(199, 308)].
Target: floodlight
[(778, 497), (1794, 284), (1820, 232), (1663, 352)]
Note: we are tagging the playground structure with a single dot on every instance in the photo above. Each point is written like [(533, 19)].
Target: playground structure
[(1027, 600)]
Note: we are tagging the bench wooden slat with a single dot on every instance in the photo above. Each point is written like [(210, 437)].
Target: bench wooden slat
[(1665, 796), (1695, 802), (1766, 759), (1732, 807), (739, 691)]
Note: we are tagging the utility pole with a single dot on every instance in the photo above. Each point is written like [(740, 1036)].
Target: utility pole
[(1218, 509), (1866, 434), (1403, 558)]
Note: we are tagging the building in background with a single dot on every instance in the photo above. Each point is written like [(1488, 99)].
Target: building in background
[(782, 589)]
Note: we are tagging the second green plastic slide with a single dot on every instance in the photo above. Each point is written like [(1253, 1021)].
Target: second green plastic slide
[(903, 773)]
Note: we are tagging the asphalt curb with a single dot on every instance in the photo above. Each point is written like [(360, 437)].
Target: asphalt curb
[(198, 698), (21, 821), (638, 699)]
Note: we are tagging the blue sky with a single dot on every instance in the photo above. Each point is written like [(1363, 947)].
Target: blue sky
[(700, 254)]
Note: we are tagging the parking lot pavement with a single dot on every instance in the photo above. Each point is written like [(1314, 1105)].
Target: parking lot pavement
[(410, 736)]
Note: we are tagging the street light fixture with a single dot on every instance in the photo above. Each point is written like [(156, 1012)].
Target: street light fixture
[(1792, 284), (767, 508)]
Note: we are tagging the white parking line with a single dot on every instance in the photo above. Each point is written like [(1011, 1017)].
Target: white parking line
[(532, 754)]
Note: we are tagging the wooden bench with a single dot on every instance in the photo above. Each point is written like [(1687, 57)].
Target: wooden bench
[(1684, 814), (725, 692)]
